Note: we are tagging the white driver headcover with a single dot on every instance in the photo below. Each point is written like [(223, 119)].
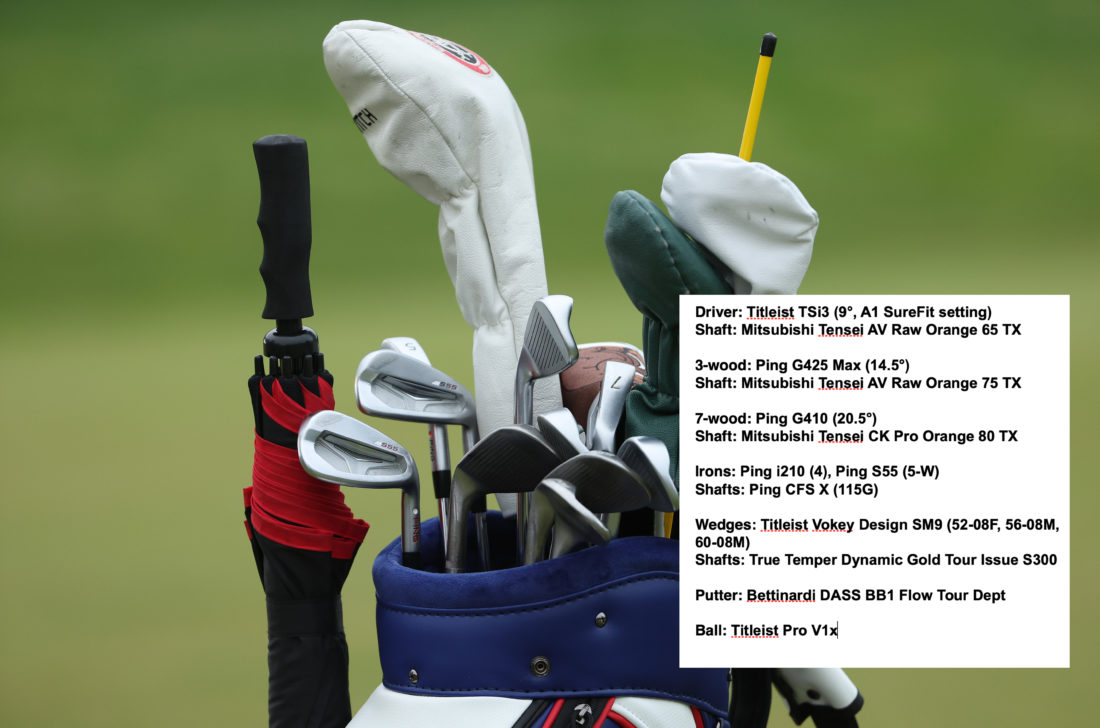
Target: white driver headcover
[(442, 121), (752, 218)]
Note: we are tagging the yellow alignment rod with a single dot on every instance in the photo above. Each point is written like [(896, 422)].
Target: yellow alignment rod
[(767, 50)]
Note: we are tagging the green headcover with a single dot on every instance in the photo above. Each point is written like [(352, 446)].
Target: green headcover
[(656, 263)]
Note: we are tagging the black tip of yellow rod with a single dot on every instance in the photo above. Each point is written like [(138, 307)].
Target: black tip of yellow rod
[(767, 45)]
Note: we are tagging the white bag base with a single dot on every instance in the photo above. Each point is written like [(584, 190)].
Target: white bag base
[(389, 709)]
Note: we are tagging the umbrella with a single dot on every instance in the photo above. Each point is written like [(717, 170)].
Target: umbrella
[(304, 537)]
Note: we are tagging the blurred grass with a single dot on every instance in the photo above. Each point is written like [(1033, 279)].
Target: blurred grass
[(950, 148)]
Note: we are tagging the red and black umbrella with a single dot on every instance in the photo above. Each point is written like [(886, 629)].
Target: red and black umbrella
[(304, 537)]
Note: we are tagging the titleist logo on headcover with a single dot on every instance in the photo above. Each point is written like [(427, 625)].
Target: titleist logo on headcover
[(463, 55), (364, 119)]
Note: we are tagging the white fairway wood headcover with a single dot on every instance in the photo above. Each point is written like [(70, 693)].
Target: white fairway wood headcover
[(749, 216), (442, 121)]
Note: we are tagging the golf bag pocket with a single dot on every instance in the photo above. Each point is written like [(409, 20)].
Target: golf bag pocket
[(570, 638)]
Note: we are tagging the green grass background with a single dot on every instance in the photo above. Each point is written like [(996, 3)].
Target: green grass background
[(950, 147)]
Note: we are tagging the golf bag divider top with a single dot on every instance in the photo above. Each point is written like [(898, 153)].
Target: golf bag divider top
[(598, 622)]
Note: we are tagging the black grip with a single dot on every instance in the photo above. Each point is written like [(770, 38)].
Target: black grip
[(284, 221)]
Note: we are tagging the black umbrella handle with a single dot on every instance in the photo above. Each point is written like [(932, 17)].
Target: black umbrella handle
[(284, 220)]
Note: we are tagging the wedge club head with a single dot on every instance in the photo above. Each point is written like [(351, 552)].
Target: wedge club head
[(554, 504), (604, 484), (510, 459), (648, 457), (561, 431)]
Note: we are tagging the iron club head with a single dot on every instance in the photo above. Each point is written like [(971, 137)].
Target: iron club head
[(399, 387), (406, 345), (420, 394), (607, 408), (548, 348), (339, 449)]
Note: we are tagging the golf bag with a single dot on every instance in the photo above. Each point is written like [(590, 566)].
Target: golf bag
[(588, 639)]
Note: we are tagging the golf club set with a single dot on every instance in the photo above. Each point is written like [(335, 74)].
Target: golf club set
[(571, 483), (547, 617)]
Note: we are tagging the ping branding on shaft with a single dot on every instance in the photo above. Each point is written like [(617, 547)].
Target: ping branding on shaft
[(339, 449), (756, 102)]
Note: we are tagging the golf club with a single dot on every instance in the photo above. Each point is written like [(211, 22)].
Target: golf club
[(648, 458), (438, 445), (339, 449), (562, 432), (394, 385), (548, 349), (510, 459), (468, 422), (406, 345), (607, 408), (603, 484), (554, 503)]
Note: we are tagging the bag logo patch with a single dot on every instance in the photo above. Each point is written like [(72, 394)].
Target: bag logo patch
[(463, 55)]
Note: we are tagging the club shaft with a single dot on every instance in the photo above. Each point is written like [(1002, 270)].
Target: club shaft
[(481, 525), (439, 448), (525, 395), (469, 438), (658, 524), (456, 543), (481, 532), (525, 398), (410, 527), (538, 532), (565, 540)]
